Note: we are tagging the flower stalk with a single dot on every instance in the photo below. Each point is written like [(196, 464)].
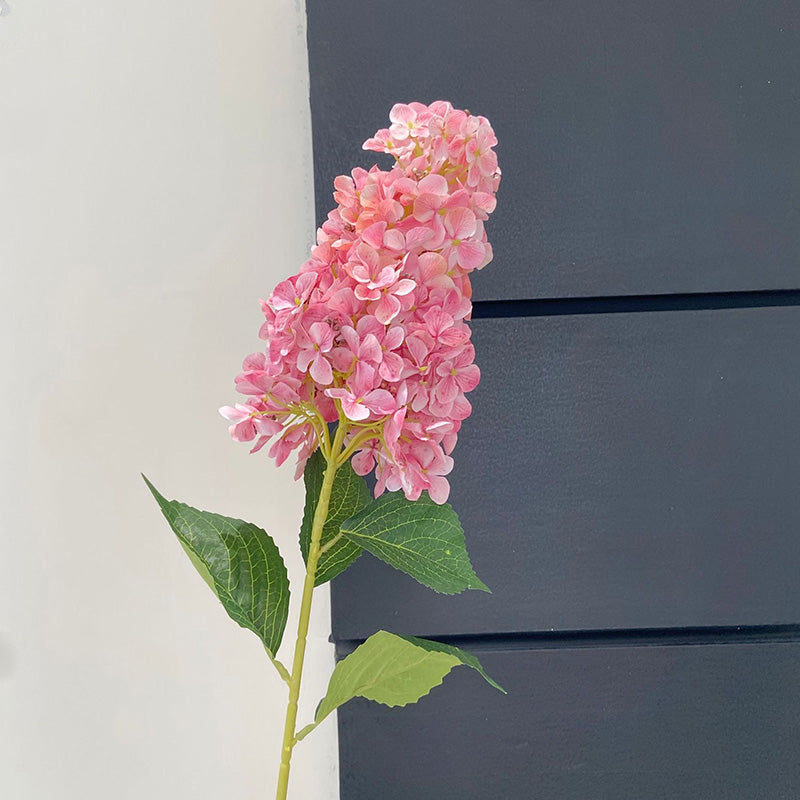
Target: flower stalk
[(320, 517)]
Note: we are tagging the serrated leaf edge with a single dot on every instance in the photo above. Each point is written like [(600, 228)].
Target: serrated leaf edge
[(413, 641), (474, 583), (218, 587)]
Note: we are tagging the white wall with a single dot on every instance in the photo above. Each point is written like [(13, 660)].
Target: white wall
[(155, 180)]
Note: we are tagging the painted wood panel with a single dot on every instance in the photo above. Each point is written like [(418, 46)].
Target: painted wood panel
[(624, 723), (647, 147), (630, 470)]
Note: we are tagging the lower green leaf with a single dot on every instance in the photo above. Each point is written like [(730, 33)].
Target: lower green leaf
[(241, 564), (462, 656), (393, 670)]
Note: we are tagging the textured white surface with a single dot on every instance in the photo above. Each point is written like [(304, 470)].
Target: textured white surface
[(155, 180)]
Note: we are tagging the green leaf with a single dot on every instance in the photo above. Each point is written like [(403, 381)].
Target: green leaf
[(241, 564), (350, 493), (419, 537), (393, 670), (465, 658)]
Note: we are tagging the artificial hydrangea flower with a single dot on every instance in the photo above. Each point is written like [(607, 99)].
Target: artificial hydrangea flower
[(373, 326)]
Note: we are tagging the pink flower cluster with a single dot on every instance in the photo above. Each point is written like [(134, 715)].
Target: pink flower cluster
[(373, 324)]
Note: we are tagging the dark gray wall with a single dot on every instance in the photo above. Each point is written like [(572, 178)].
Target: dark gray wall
[(646, 146), (628, 480), (631, 470), (619, 723)]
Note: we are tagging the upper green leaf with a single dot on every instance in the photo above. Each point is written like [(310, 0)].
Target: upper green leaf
[(393, 670), (241, 564), (350, 493), (419, 537)]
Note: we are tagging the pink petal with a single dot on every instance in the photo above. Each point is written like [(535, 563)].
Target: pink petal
[(417, 348), (446, 389), (363, 380), (234, 414), (402, 113), (362, 462), (373, 235), (370, 349), (350, 336), (321, 370), (283, 296), (462, 408), (243, 431), (470, 255), (404, 287), (469, 378), (433, 184), (417, 237), (386, 277), (369, 324), (391, 367), (394, 337), (322, 335), (360, 273), (354, 410), (431, 265), (304, 358), (380, 401), (488, 255), (364, 294), (425, 206), (437, 321), (369, 256), (394, 240), (338, 394), (254, 361), (341, 358), (387, 309), (306, 282), (484, 201), (439, 489), (266, 426), (420, 399), (460, 223), (254, 383)]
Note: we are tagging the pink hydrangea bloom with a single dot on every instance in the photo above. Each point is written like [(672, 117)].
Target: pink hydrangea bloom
[(372, 329)]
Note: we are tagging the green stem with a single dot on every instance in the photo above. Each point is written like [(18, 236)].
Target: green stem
[(354, 444), (320, 516)]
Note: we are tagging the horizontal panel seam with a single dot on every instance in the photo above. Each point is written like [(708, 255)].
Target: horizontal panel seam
[(633, 637), (632, 304)]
